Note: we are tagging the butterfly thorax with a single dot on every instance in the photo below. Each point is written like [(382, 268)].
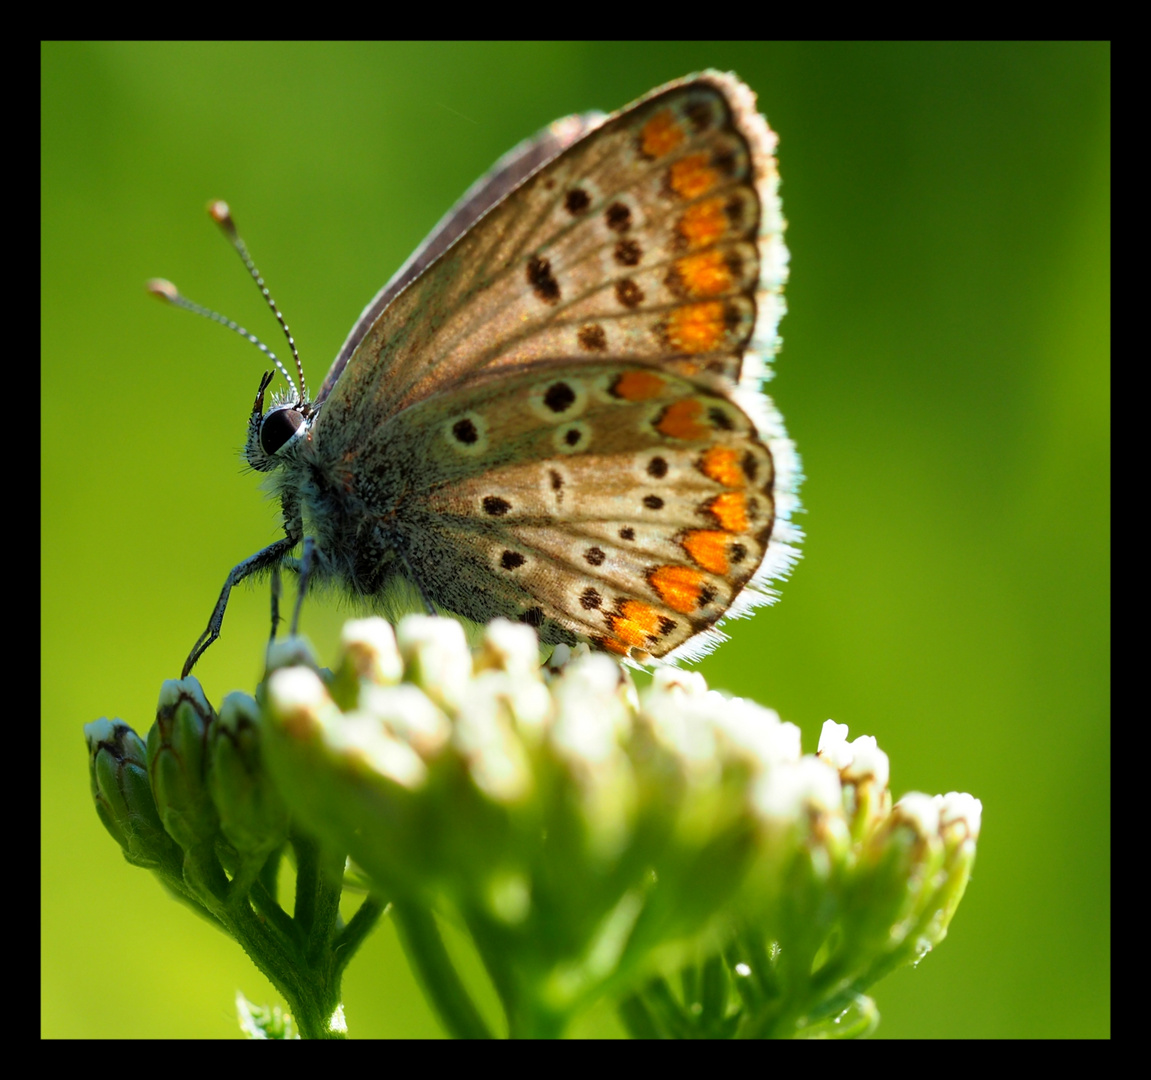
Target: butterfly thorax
[(350, 513)]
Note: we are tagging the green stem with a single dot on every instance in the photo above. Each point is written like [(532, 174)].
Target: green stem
[(529, 1014), (277, 917), (270, 873), (668, 1013), (294, 955), (424, 947), (307, 878), (713, 990), (348, 940)]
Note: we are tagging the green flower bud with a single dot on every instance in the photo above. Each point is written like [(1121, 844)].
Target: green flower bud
[(178, 763), (253, 816), (949, 828), (117, 767), (290, 651), (897, 873)]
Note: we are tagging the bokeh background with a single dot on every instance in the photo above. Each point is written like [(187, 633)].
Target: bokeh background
[(945, 374)]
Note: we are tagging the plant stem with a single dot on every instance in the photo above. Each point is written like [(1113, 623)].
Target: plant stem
[(420, 937)]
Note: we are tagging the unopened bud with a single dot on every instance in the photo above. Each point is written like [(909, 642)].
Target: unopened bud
[(118, 769), (178, 763)]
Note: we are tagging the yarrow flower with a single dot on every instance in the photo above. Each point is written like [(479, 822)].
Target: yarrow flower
[(593, 838)]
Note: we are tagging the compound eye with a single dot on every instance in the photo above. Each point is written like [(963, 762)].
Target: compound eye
[(277, 429)]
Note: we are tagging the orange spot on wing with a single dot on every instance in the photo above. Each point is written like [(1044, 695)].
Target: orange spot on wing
[(708, 548), (730, 510), (679, 587), (703, 224), (721, 464), (705, 274), (612, 645), (661, 134), (692, 177), (683, 420), (697, 328), (635, 622), (639, 386)]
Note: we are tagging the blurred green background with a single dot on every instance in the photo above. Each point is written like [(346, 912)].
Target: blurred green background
[(945, 374)]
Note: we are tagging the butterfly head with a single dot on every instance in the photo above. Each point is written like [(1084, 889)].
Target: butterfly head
[(274, 436)]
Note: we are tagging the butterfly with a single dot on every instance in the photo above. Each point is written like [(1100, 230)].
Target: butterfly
[(552, 412)]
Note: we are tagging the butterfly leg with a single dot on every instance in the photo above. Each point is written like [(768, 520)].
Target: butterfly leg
[(307, 564), (276, 593), (272, 555), (431, 610)]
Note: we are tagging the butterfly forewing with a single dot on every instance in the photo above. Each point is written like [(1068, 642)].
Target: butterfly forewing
[(638, 242)]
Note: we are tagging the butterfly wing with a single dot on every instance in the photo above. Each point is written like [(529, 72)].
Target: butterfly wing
[(607, 502), (649, 251)]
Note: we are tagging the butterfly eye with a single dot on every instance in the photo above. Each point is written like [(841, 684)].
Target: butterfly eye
[(278, 428)]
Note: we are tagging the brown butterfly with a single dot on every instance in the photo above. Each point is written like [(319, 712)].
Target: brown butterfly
[(553, 411)]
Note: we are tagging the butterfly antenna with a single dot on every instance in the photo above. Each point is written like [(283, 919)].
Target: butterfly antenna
[(168, 292), (222, 216)]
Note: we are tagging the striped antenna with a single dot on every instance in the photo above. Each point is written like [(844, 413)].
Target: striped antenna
[(222, 216), (166, 291)]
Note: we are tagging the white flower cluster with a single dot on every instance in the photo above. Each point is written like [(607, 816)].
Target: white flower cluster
[(558, 804), (423, 697)]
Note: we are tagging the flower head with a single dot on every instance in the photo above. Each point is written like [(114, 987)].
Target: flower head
[(582, 828)]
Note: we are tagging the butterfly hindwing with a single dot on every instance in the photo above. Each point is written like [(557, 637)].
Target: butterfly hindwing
[(609, 502)]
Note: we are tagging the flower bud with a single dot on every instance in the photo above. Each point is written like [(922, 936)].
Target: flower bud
[(894, 871), (178, 763), (370, 656), (864, 771), (253, 816), (118, 769), (911, 875), (960, 817), (436, 657)]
